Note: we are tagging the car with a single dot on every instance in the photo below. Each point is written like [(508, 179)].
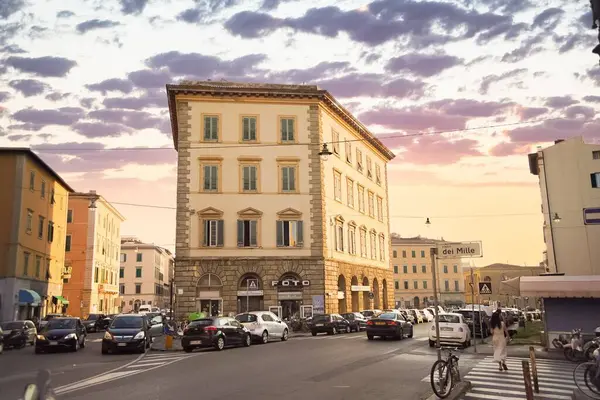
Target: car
[(18, 334), (427, 315), (417, 315), (357, 321), (127, 332), (370, 313), (61, 333), (96, 322), (47, 318), (216, 332), (453, 330), (331, 324), (407, 314), (393, 324), (264, 325), (481, 326)]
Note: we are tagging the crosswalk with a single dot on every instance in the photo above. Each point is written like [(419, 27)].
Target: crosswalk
[(488, 383)]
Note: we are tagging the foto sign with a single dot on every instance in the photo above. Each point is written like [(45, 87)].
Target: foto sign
[(459, 250), (291, 283)]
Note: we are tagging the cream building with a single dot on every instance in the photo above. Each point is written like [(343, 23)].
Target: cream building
[(413, 280), (569, 176), (264, 221), (145, 274)]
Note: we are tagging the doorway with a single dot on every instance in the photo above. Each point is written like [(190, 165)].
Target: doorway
[(211, 307), (290, 308)]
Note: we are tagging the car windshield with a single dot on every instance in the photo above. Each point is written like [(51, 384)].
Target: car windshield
[(127, 323), (201, 322), (368, 313), (50, 316), (61, 324), (7, 326), (92, 317), (246, 318), (321, 318), (452, 319), (388, 316)]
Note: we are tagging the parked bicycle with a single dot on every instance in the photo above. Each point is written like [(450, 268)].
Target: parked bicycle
[(445, 374), (587, 376)]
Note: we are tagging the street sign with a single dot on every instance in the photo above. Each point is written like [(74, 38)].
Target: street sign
[(591, 216), (252, 284), (485, 288), (459, 250)]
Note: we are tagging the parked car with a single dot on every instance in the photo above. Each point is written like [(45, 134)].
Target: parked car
[(263, 325), (480, 327), (18, 334), (357, 321), (453, 329), (331, 324), (427, 315), (417, 315), (409, 317), (217, 332), (370, 313), (127, 332), (96, 322), (392, 324), (61, 333)]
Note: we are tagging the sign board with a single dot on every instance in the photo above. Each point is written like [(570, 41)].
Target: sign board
[(341, 295), (459, 250), (306, 311), (591, 216), (244, 293), (179, 291), (360, 288), (485, 287), (318, 302), (289, 296), (291, 283), (251, 284)]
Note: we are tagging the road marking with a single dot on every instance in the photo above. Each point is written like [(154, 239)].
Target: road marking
[(94, 340), (421, 339)]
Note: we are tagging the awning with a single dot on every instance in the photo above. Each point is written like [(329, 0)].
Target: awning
[(510, 287), (27, 296), (62, 300), (560, 286)]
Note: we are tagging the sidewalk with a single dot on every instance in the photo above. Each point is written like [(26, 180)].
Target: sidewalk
[(519, 350)]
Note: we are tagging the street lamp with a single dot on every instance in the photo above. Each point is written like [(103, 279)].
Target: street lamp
[(595, 4), (325, 153), (427, 222), (556, 218)]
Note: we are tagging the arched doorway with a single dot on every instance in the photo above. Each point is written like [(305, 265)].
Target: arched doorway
[(385, 294), (209, 295), (342, 306), (354, 282), (250, 294), (290, 292), (366, 300), (136, 305), (416, 302), (376, 298)]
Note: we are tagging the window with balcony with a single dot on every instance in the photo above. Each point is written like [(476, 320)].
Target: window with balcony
[(247, 233)]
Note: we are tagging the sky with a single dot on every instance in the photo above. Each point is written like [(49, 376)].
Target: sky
[(460, 90)]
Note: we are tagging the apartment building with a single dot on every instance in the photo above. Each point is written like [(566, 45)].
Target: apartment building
[(569, 177), (92, 248), (263, 220), (413, 279), (145, 274), (33, 211)]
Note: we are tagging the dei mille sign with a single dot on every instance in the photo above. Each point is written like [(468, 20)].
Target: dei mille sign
[(460, 249)]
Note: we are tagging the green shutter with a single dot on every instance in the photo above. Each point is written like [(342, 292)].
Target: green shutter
[(280, 233)]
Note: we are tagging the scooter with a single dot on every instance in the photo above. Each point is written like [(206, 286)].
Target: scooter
[(41, 390), (560, 341), (591, 346), (574, 351)]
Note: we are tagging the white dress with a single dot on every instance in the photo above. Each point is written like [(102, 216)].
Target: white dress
[(499, 343)]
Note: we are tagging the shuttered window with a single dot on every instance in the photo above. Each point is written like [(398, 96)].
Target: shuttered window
[(249, 178), (213, 233), (249, 129), (288, 179), (247, 233), (211, 128), (290, 234), (211, 178)]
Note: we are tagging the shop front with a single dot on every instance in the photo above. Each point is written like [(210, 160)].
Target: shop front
[(209, 295), (250, 294), (290, 294)]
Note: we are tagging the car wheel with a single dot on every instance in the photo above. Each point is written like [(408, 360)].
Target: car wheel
[(247, 340), (348, 329), (83, 343), (188, 349), (1, 348), (37, 351), (334, 331), (104, 351), (410, 335), (314, 333), (220, 345), (370, 337), (264, 337), (76, 345), (431, 343), (284, 336)]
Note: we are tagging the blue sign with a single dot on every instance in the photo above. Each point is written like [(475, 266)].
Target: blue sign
[(591, 216)]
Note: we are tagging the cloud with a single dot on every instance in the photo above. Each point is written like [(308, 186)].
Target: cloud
[(191, 16), (548, 19), (10, 7), (413, 119), (470, 108), (129, 118), (371, 85), (551, 130), (205, 67), (111, 85), (100, 129), (149, 79), (148, 99), (12, 49), (95, 24), (57, 96), (29, 87), (422, 64), (64, 14), (560, 101), (527, 48), (18, 138), (417, 23), (592, 99), (321, 70), (42, 66), (61, 116), (434, 149), (508, 149), (488, 80), (4, 96), (8, 31), (531, 112), (133, 6)]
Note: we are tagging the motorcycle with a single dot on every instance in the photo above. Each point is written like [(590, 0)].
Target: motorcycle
[(560, 341), (573, 351), (591, 346), (41, 390)]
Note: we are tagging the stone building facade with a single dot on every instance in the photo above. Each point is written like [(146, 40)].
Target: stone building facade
[(265, 222)]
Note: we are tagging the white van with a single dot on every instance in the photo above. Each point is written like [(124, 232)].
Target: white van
[(145, 308)]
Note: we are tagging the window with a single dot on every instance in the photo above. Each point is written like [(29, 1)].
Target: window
[(422, 253), (405, 269), (446, 286), (50, 231), (373, 245), (455, 268), (32, 180), (350, 192), (361, 199), (415, 284), (595, 177), (249, 128), (69, 216), (380, 209), (249, 178), (424, 269), (26, 263), (403, 253), (396, 285), (339, 236), (247, 233), (348, 149), (138, 257), (456, 287), (424, 284), (290, 234), (43, 190), (381, 247), (371, 199), (41, 227), (29, 223), (121, 273), (96, 274), (337, 185), (395, 254), (359, 160), (363, 242), (405, 284), (211, 128), (68, 243), (213, 233), (395, 269), (52, 201), (413, 254), (596, 154), (335, 143), (288, 129), (352, 239), (122, 288), (369, 168), (378, 174), (414, 268), (138, 272), (445, 269), (210, 177), (123, 257), (138, 288), (38, 266), (288, 178)]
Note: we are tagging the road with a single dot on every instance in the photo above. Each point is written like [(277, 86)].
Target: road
[(346, 366)]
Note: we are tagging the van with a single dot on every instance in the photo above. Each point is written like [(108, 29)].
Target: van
[(145, 308)]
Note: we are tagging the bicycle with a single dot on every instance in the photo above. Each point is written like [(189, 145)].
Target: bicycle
[(589, 373), (447, 373)]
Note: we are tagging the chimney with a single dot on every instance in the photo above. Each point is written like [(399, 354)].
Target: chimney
[(557, 141)]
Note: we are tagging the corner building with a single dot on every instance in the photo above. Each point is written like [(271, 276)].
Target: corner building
[(263, 221)]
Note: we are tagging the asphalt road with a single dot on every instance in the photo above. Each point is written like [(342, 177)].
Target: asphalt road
[(345, 366)]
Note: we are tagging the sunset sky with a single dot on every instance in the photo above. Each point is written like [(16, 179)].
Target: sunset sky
[(485, 81)]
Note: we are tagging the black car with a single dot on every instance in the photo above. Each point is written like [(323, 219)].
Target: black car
[(357, 321), (390, 324), (332, 324), (96, 322), (127, 332), (18, 334), (482, 322), (216, 332), (61, 333)]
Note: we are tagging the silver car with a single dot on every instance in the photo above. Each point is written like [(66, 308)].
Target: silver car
[(264, 326)]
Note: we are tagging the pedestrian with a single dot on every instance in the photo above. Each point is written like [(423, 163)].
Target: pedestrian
[(499, 335)]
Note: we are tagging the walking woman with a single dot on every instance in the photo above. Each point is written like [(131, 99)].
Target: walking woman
[(499, 335)]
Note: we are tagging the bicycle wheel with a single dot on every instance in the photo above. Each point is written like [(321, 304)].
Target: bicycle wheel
[(582, 375), (441, 379)]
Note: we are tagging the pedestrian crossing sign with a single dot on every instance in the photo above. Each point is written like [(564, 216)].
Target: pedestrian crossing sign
[(485, 288), (252, 285)]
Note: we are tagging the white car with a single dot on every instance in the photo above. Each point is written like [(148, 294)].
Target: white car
[(418, 316), (264, 325), (427, 316), (453, 330)]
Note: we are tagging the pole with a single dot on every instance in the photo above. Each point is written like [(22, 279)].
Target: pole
[(534, 373), (473, 309), (247, 295), (433, 252), (171, 289), (527, 380), (480, 323)]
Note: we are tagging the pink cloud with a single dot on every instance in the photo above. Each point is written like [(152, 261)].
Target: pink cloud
[(433, 149), (507, 149), (413, 119)]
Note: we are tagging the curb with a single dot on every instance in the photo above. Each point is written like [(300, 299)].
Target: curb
[(459, 390)]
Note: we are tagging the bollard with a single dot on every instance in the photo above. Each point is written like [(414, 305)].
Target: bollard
[(168, 342), (534, 373), (527, 380)]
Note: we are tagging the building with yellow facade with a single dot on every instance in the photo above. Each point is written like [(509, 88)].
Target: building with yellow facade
[(33, 212)]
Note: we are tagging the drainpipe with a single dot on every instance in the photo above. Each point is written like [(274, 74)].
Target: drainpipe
[(549, 215)]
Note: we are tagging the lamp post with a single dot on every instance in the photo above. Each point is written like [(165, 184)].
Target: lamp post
[(325, 153), (595, 5)]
